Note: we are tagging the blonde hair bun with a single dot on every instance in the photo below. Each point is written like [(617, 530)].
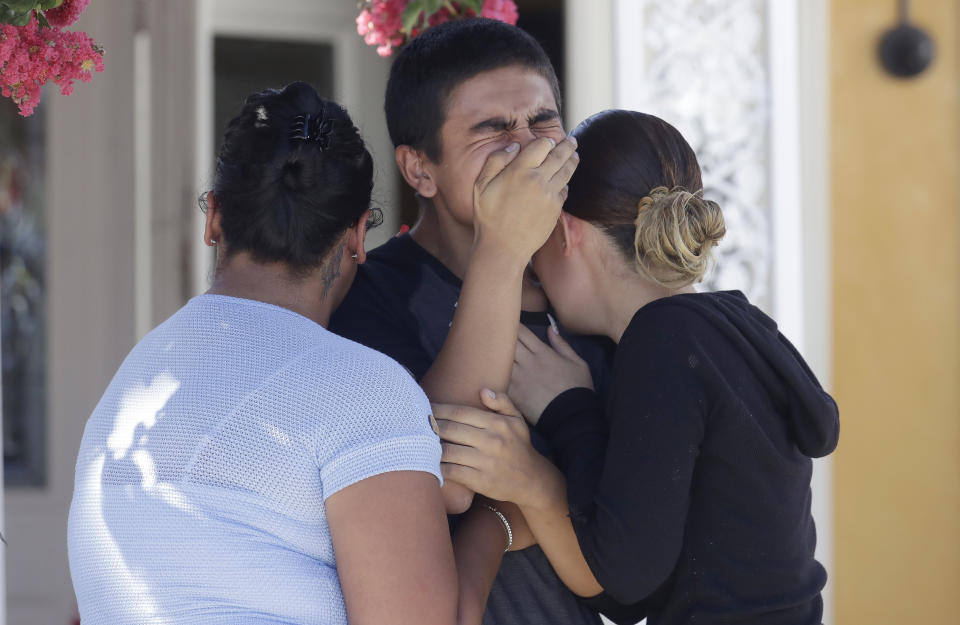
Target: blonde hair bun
[(676, 231)]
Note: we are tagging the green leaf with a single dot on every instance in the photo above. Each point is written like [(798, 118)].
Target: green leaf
[(411, 16), (9, 16), (42, 20), (432, 6), (46, 5), (21, 6)]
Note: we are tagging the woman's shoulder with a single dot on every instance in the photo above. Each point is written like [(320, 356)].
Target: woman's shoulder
[(681, 329), (688, 311), (350, 366), (664, 318)]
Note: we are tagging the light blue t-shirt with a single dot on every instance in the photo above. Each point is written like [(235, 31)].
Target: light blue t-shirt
[(203, 471)]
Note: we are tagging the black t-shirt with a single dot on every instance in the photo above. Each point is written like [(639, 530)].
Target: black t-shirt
[(700, 512), (402, 303)]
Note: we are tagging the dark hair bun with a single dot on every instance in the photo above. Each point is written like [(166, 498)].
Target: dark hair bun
[(284, 194)]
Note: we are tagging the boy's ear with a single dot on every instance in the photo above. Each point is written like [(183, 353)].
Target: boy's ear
[(413, 166)]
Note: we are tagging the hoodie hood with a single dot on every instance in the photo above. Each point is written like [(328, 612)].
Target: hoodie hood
[(812, 416)]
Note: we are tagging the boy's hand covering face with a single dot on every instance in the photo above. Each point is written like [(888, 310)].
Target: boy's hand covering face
[(519, 194), (484, 116)]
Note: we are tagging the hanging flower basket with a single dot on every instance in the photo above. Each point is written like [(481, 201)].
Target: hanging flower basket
[(35, 50), (388, 24)]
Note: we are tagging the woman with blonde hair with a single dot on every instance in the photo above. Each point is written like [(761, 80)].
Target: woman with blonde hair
[(683, 495)]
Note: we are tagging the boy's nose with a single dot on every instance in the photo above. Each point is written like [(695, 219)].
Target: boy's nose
[(524, 136)]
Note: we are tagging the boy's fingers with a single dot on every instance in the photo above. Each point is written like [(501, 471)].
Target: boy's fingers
[(496, 163), (566, 171), (558, 157), (534, 153)]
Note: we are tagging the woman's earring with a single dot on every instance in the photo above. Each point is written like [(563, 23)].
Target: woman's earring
[(213, 242), (353, 256)]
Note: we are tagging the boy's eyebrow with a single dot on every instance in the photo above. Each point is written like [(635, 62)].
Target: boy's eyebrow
[(502, 123), (543, 115), (493, 123)]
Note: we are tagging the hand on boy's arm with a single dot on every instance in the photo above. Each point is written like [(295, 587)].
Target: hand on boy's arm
[(489, 451), (541, 372)]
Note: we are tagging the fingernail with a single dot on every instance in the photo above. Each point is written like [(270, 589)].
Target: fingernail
[(576, 155), (573, 140), (512, 147), (489, 394), (553, 323), (553, 143)]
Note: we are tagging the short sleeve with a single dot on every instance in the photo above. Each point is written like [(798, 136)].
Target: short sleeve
[(409, 453), (382, 425)]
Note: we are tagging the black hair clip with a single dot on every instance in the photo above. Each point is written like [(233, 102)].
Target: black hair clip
[(300, 129), (323, 133), (308, 127)]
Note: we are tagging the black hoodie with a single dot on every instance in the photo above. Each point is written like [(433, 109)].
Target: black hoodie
[(690, 496)]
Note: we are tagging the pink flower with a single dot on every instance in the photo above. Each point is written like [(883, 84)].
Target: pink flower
[(381, 25), (67, 13), (381, 22), (31, 56), (503, 10)]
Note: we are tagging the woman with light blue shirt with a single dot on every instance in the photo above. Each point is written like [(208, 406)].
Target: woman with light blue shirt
[(245, 465)]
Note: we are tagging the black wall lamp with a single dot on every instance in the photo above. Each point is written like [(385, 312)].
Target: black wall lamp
[(905, 50)]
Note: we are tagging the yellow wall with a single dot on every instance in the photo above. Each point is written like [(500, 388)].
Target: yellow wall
[(895, 150)]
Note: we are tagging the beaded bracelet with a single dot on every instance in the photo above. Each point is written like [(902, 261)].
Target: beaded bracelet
[(506, 525)]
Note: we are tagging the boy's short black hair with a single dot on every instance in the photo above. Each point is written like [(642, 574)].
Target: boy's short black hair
[(435, 63)]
